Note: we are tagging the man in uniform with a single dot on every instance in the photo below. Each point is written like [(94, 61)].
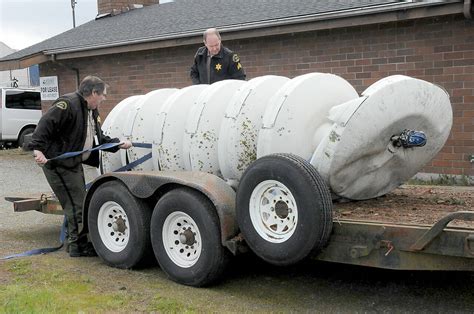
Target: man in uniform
[(214, 62), (72, 124)]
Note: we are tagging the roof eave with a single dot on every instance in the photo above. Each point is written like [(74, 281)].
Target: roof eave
[(269, 28), (331, 20), (23, 62)]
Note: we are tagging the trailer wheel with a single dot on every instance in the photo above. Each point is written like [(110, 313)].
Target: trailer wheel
[(119, 226), (186, 238), (284, 209)]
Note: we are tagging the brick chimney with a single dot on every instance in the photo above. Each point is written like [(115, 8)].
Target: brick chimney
[(109, 6)]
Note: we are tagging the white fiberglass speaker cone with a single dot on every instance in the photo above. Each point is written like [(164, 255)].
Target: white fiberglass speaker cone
[(203, 125), (112, 127), (294, 120), (169, 128), (116, 110), (130, 114), (140, 128), (361, 156), (237, 146)]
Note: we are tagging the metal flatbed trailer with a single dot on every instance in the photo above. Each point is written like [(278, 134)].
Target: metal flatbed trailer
[(180, 239)]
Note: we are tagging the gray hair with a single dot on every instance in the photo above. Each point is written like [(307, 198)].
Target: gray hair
[(92, 84), (211, 31)]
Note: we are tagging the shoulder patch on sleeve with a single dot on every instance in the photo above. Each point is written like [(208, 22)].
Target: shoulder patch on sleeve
[(61, 105), (235, 58), (99, 120)]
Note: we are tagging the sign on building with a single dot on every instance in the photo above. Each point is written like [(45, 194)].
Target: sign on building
[(49, 87)]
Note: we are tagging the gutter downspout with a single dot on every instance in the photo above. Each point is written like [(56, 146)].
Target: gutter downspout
[(76, 70), (467, 9), (78, 78)]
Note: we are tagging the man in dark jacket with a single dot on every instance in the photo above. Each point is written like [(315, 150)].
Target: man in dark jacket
[(71, 125), (214, 62)]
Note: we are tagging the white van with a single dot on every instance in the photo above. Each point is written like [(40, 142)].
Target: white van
[(20, 111)]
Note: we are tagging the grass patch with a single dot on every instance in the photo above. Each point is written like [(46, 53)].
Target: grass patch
[(442, 179), (31, 290), (166, 305), (49, 284), (20, 268)]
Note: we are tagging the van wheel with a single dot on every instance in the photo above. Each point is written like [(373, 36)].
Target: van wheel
[(284, 209), (119, 226), (21, 138), (186, 238)]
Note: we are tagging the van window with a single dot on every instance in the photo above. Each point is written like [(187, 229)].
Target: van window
[(22, 100)]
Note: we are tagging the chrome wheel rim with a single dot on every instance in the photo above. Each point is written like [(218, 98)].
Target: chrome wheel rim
[(113, 226), (273, 211), (182, 239)]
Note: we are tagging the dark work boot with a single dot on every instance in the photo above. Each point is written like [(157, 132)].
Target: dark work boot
[(87, 249), (74, 250), (78, 250)]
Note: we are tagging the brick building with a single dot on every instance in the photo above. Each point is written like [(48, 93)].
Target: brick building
[(138, 49)]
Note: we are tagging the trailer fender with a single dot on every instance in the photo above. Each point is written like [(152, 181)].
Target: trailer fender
[(145, 185)]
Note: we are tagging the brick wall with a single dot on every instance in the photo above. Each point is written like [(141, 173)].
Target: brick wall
[(438, 50)]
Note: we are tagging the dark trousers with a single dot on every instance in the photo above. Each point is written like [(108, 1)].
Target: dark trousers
[(69, 186)]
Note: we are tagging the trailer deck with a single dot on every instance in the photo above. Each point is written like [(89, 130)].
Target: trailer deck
[(411, 204)]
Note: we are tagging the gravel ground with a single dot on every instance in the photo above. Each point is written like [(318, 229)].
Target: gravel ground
[(21, 176), (249, 285)]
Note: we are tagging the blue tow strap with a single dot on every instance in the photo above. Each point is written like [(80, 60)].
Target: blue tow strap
[(142, 145), (62, 235), (74, 154)]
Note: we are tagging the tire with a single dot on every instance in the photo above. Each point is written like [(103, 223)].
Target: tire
[(21, 137), (186, 238), (119, 226), (284, 209)]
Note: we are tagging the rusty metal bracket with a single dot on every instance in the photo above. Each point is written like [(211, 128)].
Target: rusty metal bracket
[(438, 227), (368, 245), (387, 244), (237, 245), (358, 251), (44, 198), (45, 203), (26, 205), (469, 244)]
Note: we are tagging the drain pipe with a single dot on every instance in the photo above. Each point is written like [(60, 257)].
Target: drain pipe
[(76, 70), (467, 9), (78, 78)]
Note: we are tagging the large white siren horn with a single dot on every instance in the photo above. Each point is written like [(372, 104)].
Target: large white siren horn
[(237, 146), (139, 127), (203, 126), (380, 140), (169, 128), (113, 127), (294, 116)]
